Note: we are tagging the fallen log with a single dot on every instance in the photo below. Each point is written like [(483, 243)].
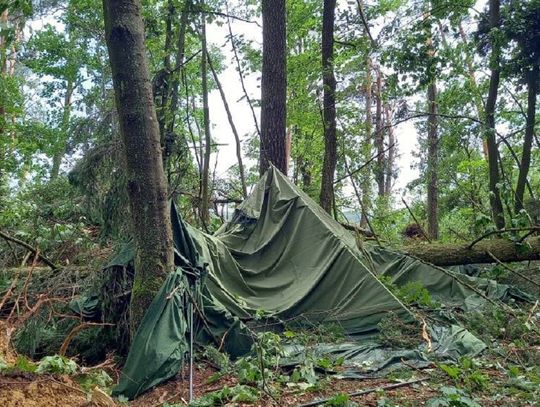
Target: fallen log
[(454, 254)]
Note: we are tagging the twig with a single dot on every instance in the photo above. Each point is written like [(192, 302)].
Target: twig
[(510, 269), (33, 250), (74, 331), (372, 158), (501, 231), (416, 220), (365, 23), (9, 291), (353, 228), (367, 391), (469, 286), (52, 379), (533, 309)]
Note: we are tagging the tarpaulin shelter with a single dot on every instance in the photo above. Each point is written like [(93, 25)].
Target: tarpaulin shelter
[(283, 255)]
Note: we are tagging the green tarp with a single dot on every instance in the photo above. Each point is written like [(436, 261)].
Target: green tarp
[(283, 255)]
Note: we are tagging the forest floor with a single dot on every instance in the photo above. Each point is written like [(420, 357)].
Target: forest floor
[(493, 381), (505, 374)]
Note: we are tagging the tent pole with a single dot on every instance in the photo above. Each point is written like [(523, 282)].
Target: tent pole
[(190, 351)]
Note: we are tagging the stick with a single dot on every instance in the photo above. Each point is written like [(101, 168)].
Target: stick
[(27, 246), (373, 158), (367, 391), (74, 331), (469, 286), (510, 269), (501, 231)]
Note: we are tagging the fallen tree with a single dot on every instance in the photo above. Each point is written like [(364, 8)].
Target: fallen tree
[(486, 251)]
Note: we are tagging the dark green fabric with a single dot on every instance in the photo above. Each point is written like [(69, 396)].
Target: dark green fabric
[(158, 349), (86, 306), (364, 358), (297, 263), (282, 254)]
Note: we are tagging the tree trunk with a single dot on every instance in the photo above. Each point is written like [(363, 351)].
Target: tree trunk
[(233, 129), (329, 107), (379, 138), (365, 174), (205, 182), (170, 137), (478, 102), (432, 164), (273, 87), (532, 90), (161, 104), (66, 116), (455, 254), (124, 33), (493, 152), (391, 150)]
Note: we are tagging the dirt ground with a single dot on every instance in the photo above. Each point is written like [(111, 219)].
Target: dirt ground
[(41, 391)]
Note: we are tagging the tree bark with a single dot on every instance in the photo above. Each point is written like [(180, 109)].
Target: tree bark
[(66, 116), (124, 33), (391, 152), (329, 107), (432, 164), (532, 90), (273, 87), (205, 182), (170, 137), (365, 174), (478, 102), (379, 138), (493, 152), (455, 254)]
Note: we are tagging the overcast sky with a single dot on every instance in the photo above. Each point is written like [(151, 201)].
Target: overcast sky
[(406, 134)]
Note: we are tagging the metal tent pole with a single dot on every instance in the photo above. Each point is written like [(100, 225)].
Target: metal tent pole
[(190, 351)]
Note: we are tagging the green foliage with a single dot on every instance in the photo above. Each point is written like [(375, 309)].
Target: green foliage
[(237, 394), (492, 322), (415, 293), (340, 400), (56, 365), (452, 397), (466, 374), (99, 378)]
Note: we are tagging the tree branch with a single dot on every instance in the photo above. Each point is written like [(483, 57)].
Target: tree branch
[(30, 248)]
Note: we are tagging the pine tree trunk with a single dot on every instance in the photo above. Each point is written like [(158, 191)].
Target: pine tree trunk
[(365, 174), (532, 90), (124, 33), (379, 138), (493, 151), (432, 164), (329, 107), (273, 87)]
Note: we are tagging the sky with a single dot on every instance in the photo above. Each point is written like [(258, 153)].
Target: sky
[(406, 134)]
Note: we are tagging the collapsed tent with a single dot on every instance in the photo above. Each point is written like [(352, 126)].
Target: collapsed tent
[(283, 256)]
